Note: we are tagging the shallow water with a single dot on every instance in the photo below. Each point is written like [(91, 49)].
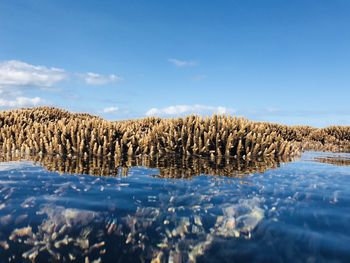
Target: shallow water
[(298, 212)]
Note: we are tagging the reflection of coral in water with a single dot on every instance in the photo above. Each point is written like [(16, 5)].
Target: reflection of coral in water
[(170, 166), (336, 160)]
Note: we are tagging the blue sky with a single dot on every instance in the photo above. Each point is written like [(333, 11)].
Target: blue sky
[(280, 61)]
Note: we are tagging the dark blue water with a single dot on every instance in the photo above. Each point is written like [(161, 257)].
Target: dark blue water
[(299, 212)]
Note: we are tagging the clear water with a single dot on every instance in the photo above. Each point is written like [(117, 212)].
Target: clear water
[(298, 212)]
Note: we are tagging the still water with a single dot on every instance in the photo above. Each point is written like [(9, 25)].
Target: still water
[(291, 212)]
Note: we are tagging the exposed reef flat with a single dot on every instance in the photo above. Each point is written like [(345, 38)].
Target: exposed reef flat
[(51, 131)]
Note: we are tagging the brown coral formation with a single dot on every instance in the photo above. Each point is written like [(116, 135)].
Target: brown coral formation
[(51, 131)]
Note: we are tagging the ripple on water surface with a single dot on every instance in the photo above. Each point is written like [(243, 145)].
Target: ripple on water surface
[(299, 212)]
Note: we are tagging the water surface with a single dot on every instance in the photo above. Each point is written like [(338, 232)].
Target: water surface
[(296, 212)]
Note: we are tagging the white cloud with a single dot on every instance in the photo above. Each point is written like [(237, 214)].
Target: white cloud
[(91, 78), (18, 79), (21, 102), (111, 110), (14, 73), (188, 109), (182, 63), (19, 74)]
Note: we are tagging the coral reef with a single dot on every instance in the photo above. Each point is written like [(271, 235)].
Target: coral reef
[(52, 131)]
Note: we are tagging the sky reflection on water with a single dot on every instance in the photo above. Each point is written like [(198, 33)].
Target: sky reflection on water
[(299, 212)]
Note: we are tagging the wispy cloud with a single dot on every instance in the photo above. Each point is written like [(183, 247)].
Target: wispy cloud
[(91, 78), (110, 110), (177, 110), (19, 74), (14, 73), (21, 102), (183, 63), (18, 79)]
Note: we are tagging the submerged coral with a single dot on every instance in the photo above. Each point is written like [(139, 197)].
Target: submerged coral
[(169, 232), (56, 232)]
